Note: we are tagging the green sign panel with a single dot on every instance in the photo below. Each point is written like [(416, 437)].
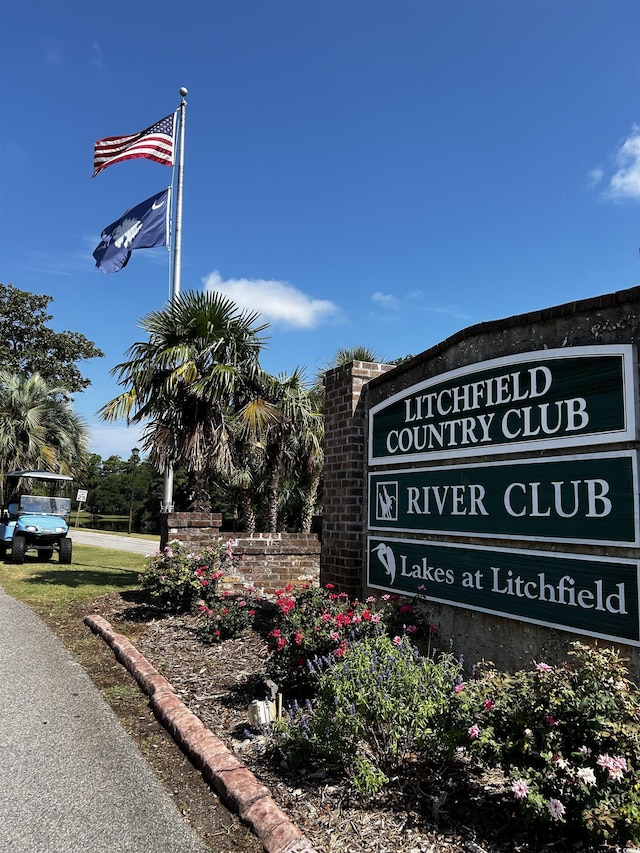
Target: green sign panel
[(562, 397), (588, 595), (590, 498)]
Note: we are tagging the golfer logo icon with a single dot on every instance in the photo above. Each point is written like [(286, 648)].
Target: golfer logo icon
[(387, 501), (387, 558)]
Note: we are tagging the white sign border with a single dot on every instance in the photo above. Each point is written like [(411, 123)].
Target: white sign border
[(388, 472), (554, 554), (630, 398)]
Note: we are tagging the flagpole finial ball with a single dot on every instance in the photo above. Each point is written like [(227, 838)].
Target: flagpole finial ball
[(184, 91)]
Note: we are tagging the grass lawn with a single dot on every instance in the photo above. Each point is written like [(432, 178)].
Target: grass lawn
[(50, 587)]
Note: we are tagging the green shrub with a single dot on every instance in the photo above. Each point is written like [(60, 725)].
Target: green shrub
[(568, 736), (226, 618), (376, 709), (177, 577)]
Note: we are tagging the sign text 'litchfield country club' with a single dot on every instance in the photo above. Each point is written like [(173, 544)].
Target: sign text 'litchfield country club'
[(566, 397), (592, 595)]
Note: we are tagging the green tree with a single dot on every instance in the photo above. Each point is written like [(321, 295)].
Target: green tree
[(28, 345), (291, 441), (197, 369), (39, 427)]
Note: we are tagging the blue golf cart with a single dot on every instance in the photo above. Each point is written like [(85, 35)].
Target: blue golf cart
[(31, 521)]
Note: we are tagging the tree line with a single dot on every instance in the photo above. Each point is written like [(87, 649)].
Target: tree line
[(240, 440)]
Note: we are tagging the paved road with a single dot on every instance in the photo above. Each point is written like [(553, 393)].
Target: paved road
[(119, 543), (71, 780)]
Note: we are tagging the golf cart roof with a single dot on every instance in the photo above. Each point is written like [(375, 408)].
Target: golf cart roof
[(38, 475)]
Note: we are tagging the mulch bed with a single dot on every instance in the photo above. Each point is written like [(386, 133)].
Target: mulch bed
[(447, 812)]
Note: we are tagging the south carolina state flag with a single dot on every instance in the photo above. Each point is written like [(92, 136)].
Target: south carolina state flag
[(144, 226)]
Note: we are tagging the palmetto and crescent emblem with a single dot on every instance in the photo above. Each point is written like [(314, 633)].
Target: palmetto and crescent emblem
[(126, 232), (387, 558)]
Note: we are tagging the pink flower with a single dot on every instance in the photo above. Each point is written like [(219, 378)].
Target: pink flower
[(474, 731), (556, 809), (371, 599), (520, 789), (488, 704), (329, 586), (411, 629), (335, 636), (386, 597), (543, 667), (459, 687), (616, 767), (397, 641), (375, 618), (551, 721)]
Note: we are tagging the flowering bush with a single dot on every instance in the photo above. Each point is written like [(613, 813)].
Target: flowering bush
[(227, 617), (177, 577), (375, 710), (314, 623), (569, 736)]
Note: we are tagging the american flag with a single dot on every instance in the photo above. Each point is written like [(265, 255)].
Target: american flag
[(154, 143)]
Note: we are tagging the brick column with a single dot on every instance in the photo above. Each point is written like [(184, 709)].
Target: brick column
[(344, 471), (194, 529)]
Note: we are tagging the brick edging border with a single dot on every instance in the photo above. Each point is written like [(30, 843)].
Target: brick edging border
[(236, 785)]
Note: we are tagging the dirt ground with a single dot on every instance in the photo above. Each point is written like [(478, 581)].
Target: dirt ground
[(439, 815)]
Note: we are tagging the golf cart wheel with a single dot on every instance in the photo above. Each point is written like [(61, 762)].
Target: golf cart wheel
[(18, 548), (65, 550), (45, 554)]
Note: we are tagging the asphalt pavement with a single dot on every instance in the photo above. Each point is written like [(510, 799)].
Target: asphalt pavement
[(71, 780), (116, 542)]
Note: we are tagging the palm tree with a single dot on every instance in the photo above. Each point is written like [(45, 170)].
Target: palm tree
[(343, 355), (287, 437), (194, 373), (38, 427)]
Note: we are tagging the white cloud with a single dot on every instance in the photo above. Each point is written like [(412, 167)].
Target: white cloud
[(625, 183), (594, 177), (276, 301), (411, 301), (386, 300)]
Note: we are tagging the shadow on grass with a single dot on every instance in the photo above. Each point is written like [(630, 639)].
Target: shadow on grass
[(116, 578)]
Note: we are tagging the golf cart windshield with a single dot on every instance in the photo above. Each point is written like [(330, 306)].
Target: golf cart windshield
[(46, 505)]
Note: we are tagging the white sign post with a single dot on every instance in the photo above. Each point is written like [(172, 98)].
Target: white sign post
[(81, 498)]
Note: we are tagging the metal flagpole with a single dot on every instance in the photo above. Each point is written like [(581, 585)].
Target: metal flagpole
[(167, 503)]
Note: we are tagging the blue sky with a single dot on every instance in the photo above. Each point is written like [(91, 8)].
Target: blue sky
[(363, 172)]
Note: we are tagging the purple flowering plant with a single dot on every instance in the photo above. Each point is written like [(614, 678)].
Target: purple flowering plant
[(569, 738), (378, 711)]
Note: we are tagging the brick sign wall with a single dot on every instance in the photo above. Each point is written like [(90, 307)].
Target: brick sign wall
[(500, 481)]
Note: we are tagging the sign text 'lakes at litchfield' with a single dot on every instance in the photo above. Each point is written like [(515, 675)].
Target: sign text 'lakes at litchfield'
[(597, 596), (589, 498), (560, 398)]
